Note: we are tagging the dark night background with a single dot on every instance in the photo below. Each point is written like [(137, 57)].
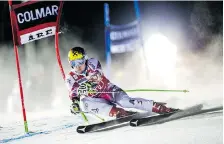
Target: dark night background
[(87, 18), (193, 26)]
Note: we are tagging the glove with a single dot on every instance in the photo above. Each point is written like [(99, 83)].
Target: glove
[(74, 108)]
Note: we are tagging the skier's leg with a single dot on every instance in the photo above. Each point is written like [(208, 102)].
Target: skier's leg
[(123, 100), (96, 105), (99, 106)]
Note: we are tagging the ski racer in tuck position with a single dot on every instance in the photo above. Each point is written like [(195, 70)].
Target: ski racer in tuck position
[(87, 73)]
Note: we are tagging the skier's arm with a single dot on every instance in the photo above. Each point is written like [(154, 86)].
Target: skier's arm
[(72, 86), (99, 70), (97, 73)]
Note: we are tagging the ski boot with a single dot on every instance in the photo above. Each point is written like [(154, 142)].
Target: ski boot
[(119, 112), (160, 108)]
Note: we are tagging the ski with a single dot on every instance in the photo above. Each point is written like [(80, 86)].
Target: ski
[(141, 118), (195, 110), (156, 118), (140, 121), (106, 124)]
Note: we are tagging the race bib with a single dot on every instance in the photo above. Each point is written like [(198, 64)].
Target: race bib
[(83, 89)]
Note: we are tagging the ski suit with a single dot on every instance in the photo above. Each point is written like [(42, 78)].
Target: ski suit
[(108, 94)]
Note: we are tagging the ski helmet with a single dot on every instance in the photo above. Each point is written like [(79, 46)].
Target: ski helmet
[(76, 56)]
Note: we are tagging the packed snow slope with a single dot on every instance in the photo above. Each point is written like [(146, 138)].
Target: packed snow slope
[(55, 129)]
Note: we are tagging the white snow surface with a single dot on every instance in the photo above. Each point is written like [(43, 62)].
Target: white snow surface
[(60, 128)]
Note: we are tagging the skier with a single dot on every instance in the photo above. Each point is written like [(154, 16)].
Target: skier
[(87, 75)]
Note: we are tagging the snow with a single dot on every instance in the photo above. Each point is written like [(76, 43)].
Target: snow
[(61, 129)]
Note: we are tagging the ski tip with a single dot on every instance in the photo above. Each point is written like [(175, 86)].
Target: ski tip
[(81, 129), (134, 122)]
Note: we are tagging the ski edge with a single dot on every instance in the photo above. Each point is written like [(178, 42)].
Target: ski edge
[(106, 124), (170, 118)]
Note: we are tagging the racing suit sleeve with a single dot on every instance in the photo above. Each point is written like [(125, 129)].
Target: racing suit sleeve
[(96, 74), (99, 69), (73, 86)]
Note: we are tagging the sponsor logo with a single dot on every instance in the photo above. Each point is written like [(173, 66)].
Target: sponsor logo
[(39, 34), (132, 101), (123, 48), (82, 80), (96, 110), (100, 85), (75, 77), (86, 106), (36, 14), (92, 65), (69, 81), (120, 35)]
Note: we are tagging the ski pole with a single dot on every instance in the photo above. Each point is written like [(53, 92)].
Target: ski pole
[(102, 119), (142, 90), (84, 117), (156, 90)]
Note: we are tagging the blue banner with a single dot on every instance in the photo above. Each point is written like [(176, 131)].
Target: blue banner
[(124, 38)]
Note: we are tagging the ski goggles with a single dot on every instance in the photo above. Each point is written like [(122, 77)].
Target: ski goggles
[(78, 62)]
